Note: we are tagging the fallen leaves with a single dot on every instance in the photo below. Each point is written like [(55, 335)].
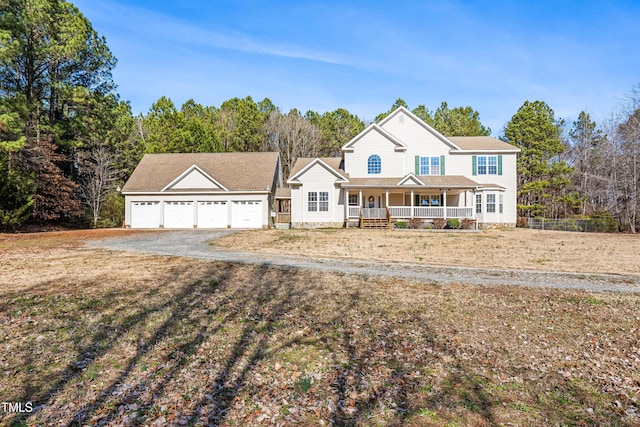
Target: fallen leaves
[(146, 340)]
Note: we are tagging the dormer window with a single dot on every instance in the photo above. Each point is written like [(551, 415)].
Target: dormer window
[(374, 164)]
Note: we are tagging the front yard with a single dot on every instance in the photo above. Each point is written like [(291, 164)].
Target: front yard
[(94, 337), (520, 249)]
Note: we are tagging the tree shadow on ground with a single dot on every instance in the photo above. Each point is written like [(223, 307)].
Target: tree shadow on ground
[(194, 344)]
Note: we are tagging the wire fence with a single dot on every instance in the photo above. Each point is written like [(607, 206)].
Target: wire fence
[(593, 225)]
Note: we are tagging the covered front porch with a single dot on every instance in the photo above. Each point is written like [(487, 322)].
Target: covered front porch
[(400, 202)]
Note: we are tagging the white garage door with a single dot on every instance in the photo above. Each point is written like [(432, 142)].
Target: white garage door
[(212, 215), (246, 214), (145, 214), (178, 214)]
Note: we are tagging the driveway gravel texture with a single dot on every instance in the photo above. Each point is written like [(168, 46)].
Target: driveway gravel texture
[(197, 244)]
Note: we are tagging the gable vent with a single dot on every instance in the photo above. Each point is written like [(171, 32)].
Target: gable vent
[(401, 118)]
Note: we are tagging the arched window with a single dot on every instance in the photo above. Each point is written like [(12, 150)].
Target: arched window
[(374, 165)]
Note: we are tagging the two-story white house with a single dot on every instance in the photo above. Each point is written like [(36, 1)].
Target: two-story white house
[(401, 169)]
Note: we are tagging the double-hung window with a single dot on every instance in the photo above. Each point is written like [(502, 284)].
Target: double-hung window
[(491, 203), (318, 201), (323, 205), (478, 203), (430, 165), (312, 199), (492, 162), (487, 165), (482, 165)]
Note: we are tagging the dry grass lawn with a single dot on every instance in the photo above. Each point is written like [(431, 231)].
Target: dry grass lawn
[(520, 249), (93, 337)]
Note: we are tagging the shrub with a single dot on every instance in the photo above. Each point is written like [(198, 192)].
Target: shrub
[(415, 223), (439, 223), (112, 211), (401, 224), (453, 223), (468, 224)]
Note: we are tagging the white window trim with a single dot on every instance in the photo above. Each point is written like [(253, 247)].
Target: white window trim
[(426, 164), (315, 202), (487, 165)]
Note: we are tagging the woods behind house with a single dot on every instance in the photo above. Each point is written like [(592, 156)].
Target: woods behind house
[(68, 141)]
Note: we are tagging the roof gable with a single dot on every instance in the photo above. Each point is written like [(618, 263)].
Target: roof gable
[(194, 178), (408, 114), (410, 179), (300, 169), (399, 145)]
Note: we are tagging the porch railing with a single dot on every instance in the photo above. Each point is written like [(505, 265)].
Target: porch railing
[(354, 211), (374, 213), (430, 212), (412, 212)]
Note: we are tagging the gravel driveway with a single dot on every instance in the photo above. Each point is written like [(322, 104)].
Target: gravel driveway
[(195, 244)]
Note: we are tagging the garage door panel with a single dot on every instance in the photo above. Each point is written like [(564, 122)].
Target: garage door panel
[(246, 214), (178, 215), (145, 215), (212, 214)]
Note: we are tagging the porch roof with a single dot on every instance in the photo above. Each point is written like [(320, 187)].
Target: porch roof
[(436, 181)]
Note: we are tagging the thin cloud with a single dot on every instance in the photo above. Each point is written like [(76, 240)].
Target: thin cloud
[(149, 25)]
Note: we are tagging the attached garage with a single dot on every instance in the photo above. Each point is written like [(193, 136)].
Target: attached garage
[(246, 214), (178, 214), (145, 214), (202, 190), (213, 214)]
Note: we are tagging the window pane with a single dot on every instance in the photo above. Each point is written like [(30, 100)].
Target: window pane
[(435, 166), (312, 201), (324, 201), (374, 165), (493, 165), (482, 165), (353, 200), (424, 165), (478, 203), (491, 203)]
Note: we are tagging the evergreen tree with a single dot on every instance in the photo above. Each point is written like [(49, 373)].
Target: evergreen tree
[(51, 60), (541, 173)]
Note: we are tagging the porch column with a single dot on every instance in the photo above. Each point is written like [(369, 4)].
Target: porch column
[(444, 202), (346, 204), (360, 198), (412, 203), (386, 201)]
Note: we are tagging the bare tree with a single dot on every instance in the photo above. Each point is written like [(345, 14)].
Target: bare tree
[(292, 136), (98, 177)]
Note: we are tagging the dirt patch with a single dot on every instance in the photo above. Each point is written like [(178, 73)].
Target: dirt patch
[(92, 336), (63, 238), (519, 249)]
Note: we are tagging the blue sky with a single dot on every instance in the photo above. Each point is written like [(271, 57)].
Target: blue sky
[(362, 55)]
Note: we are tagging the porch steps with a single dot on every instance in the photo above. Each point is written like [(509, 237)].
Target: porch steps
[(374, 223)]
